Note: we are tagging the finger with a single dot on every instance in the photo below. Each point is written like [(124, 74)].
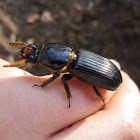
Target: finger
[(10, 72), (127, 96)]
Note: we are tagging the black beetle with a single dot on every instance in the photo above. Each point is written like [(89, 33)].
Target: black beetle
[(84, 65)]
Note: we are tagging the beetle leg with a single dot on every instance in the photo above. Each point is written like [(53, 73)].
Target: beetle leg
[(99, 94), (55, 75), (65, 78)]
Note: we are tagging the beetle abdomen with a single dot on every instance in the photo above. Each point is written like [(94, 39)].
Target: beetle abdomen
[(97, 70)]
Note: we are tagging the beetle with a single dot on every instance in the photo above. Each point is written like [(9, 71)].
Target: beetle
[(87, 66)]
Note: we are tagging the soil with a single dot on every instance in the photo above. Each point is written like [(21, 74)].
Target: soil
[(106, 27)]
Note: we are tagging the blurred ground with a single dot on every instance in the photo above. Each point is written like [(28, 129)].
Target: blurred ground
[(106, 27)]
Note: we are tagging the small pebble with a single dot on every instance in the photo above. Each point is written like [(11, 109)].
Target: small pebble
[(46, 17)]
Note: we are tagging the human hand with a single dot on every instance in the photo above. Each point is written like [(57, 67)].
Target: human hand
[(28, 112)]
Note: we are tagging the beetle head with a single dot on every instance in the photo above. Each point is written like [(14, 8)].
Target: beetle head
[(29, 53)]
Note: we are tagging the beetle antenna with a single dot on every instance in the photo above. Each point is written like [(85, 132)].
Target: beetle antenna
[(18, 44), (17, 63)]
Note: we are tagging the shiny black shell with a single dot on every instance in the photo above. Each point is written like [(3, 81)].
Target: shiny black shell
[(55, 56), (97, 70)]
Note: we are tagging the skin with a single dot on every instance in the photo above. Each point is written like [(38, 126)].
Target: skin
[(28, 112)]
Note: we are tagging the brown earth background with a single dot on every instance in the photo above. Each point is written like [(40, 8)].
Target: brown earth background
[(110, 28)]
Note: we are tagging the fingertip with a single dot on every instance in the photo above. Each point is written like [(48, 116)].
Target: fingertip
[(128, 82), (126, 96)]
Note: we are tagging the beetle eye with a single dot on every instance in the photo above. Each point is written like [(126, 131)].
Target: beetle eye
[(22, 51)]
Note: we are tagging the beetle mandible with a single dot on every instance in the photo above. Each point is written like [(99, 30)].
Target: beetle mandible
[(84, 65)]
